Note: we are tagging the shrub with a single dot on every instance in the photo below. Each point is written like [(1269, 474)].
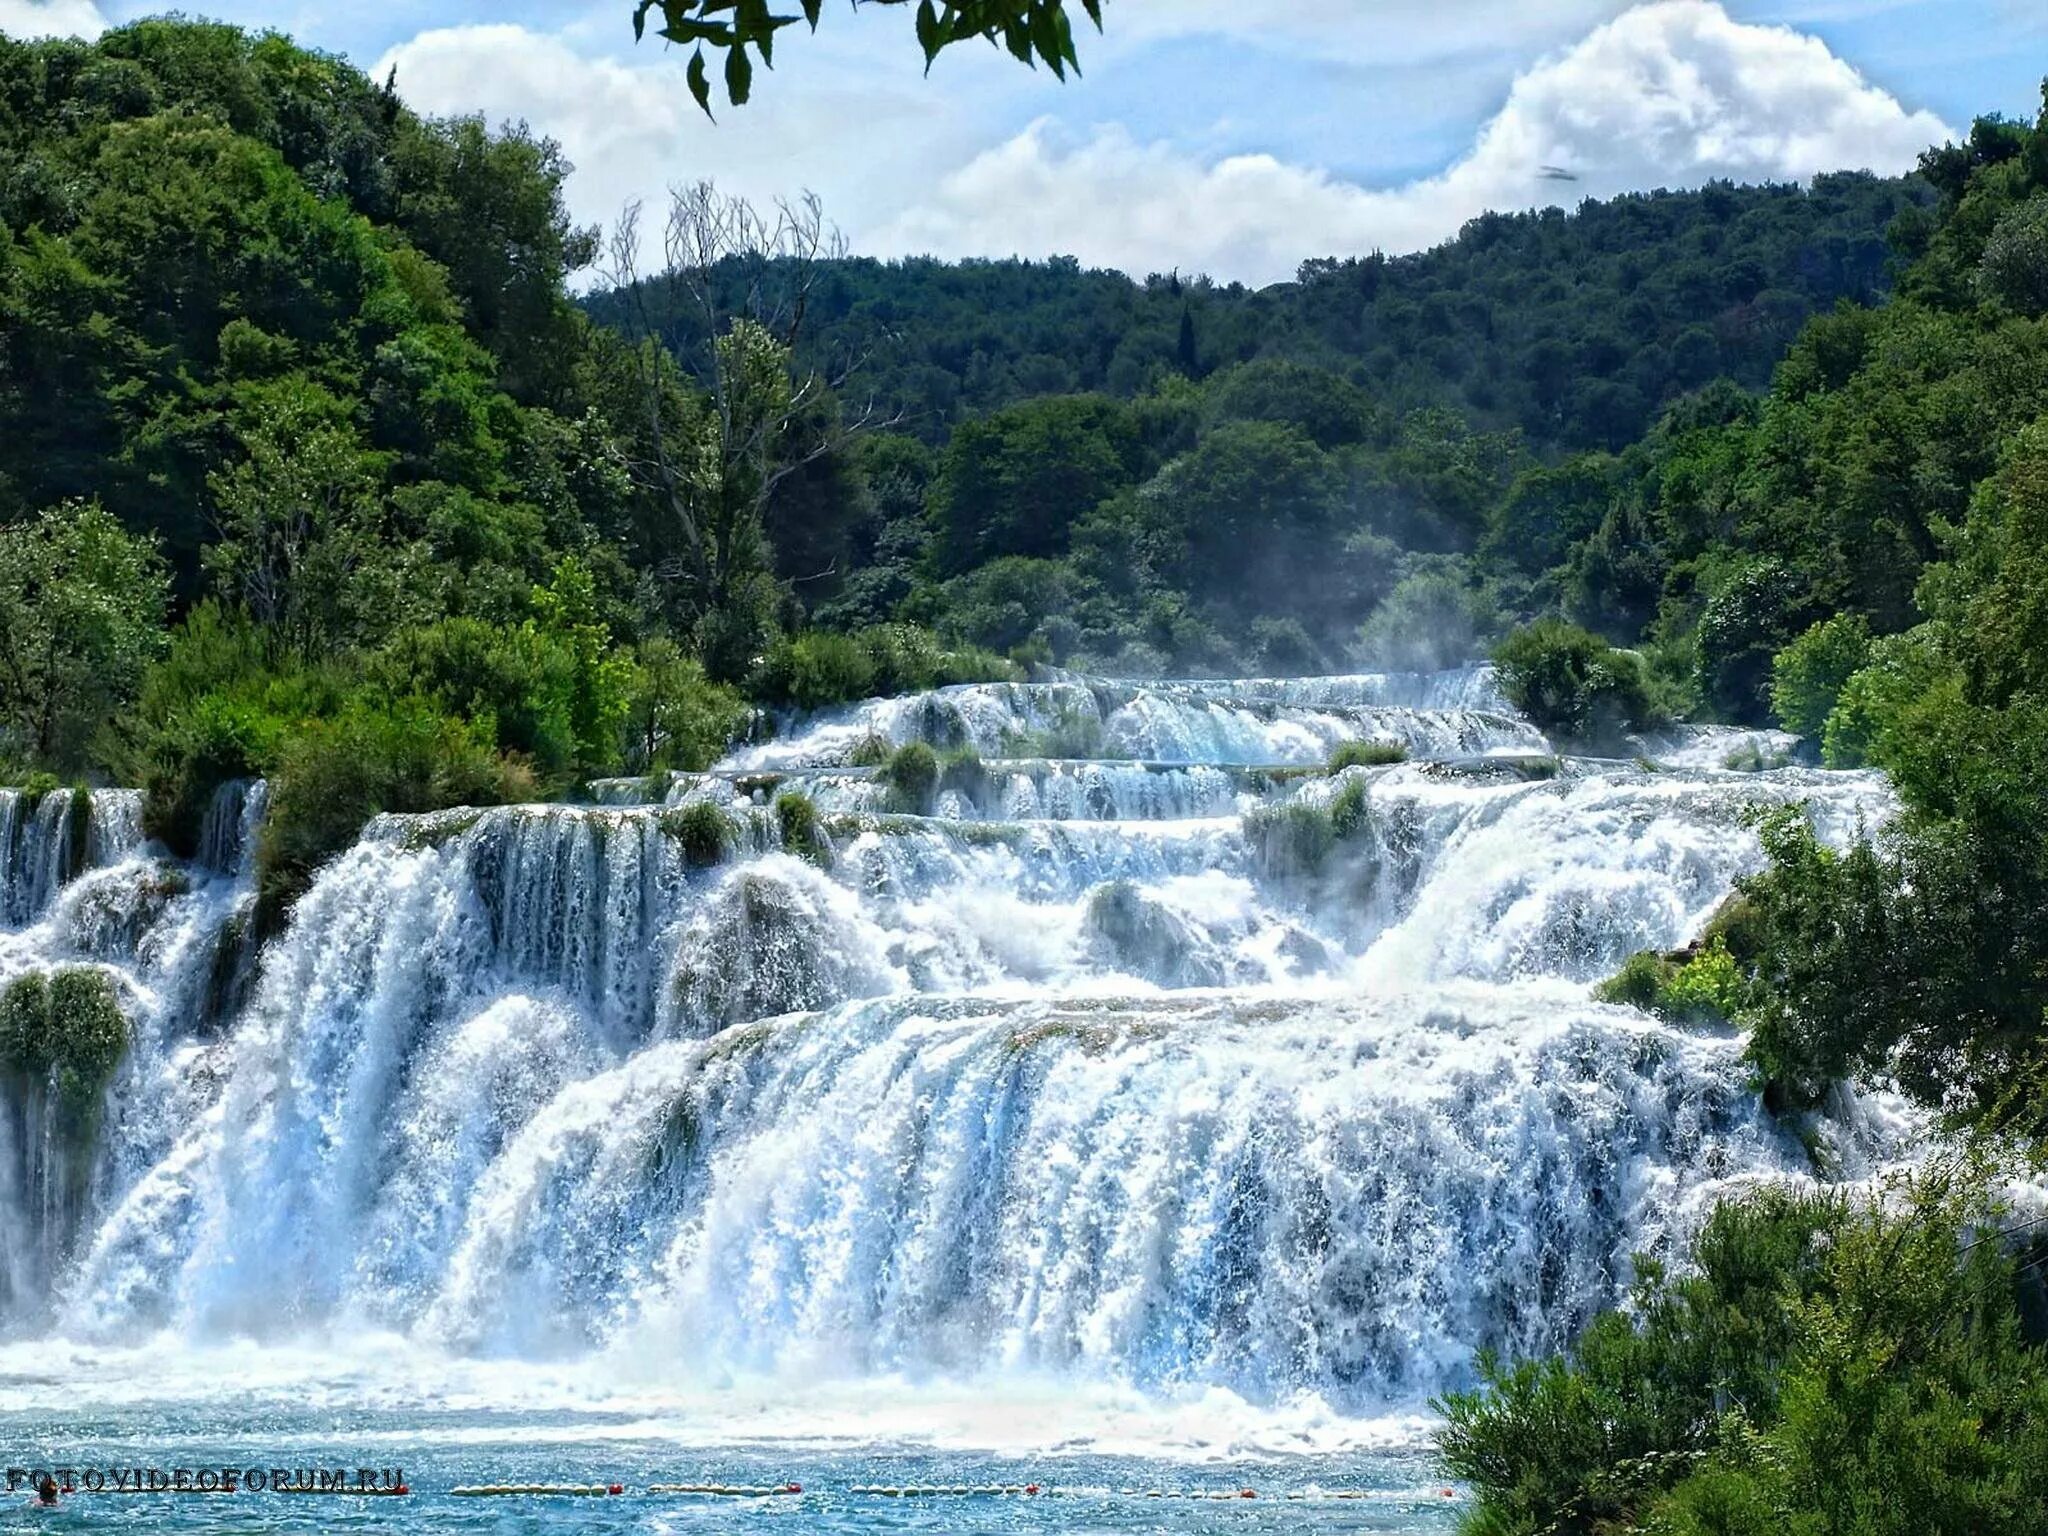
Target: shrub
[(816, 670), (1703, 986), (34, 788), (912, 774), (820, 668), (1291, 840), (1073, 734), (703, 830), (1807, 677), (1570, 682), (1901, 671), (803, 834), (1350, 809), (1824, 1365), (1366, 754), (678, 718), (334, 775), (871, 751), (66, 1030)]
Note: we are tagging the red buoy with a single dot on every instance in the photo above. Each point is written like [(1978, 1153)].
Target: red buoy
[(616, 1488), (1031, 1487), (792, 1487), (1246, 1493), (402, 1489)]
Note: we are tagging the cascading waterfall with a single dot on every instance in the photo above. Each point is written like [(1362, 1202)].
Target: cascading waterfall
[(1074, 1074)]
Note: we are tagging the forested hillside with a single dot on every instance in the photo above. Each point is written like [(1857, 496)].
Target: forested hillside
[(1572, 328)]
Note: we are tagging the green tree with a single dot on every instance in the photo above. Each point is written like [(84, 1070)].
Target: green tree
[(81, 614)]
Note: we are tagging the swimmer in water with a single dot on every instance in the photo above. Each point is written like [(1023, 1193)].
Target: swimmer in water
[(46, 1492)]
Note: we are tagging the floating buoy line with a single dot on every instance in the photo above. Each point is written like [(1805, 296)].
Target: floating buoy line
[(943, 1491)]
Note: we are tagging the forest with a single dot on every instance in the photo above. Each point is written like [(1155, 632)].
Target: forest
[(321, 459)]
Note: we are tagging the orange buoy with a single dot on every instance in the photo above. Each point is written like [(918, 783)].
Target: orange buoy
[(1246, 1493)]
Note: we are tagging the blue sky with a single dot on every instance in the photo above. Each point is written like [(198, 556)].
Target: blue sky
[(1232, 136)]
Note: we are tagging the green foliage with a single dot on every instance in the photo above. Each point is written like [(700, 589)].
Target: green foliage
[(1290, 840), (81, 614), (1824, 1365), (912, 774), (1350, 810), (1807, 676), (817, 668), (333, 774), (1433, 619), (1703, 986), (1034, 31), (1571, 682), (1875, 702), (64, 1030), (703, 830), (871, 751), (2014, 272), (1073, 734), (677, 718), (1366, 754), (802, 833)]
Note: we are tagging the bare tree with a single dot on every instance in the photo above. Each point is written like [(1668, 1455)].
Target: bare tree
[(713, 457)]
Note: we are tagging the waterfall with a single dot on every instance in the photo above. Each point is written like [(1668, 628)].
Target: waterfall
[(1083, 1068)]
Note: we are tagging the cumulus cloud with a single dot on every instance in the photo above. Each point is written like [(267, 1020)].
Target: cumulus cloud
[(1397, 33), (51, 18), (1669, 94), (632, 129)]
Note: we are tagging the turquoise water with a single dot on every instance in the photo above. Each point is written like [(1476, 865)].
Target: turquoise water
[(439, 1451)]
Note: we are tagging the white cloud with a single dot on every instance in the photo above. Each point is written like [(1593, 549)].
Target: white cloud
[(1388, 34), (51, 18), (1670, 94), (861, 133)]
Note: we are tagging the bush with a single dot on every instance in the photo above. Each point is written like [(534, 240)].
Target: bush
[(1289, 841), (816, 670), (803, 834), (1899, 673), (1825, 1366), (819, 668), (334, 775), (1573, 684), (1366, 754), (1807, 677), (703, 830), (1074, 734), (677, 717), (66, 1030), (1702, 986), (912, 774), (871, 751), (1350, 810)]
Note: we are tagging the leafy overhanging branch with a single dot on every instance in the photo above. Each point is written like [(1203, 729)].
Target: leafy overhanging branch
[(1034, 31)]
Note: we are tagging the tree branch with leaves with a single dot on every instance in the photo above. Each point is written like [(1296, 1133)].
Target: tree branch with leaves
[(1034, 31)]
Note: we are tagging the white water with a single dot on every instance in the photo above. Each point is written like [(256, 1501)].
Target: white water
[(1071, 1083)]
